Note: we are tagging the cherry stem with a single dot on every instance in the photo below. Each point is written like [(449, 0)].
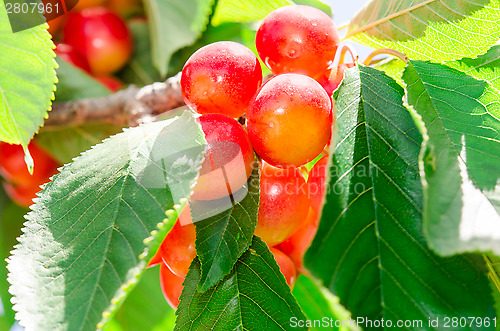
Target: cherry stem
[(343, 26), (348, 48), (401, 56), (325, 152)]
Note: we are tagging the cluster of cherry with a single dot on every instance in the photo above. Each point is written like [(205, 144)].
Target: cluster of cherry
[(94, 37), (288, 125)]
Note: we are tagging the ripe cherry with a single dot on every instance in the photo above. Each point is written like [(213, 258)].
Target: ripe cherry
[(69, 54), (283, 203), (228, 160), (113, 84), (298, 39), (286, 266), (296, 246), (171, 286), (14, 169), (178, 248), (101, 36), (316, 184), (23, 195), (290, 120), (221, 78)]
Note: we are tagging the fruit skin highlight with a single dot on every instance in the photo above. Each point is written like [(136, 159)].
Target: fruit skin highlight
[(171, 286), (283, 205), (290, 120), (102, 37), (228, 160), (221, 78), (297, 39)]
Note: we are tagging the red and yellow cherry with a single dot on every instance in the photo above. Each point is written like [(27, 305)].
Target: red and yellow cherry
[(171, 286), (221, 78), (290, 120), (101, 36), (286, 265), (23, 195), (111, 83), (228, 159), (56, 24), (316, 184), (332, 78), (296, 246), (14, 169), (69, 54), (184, 218), (178, 248), (297, 39), (284, 203)]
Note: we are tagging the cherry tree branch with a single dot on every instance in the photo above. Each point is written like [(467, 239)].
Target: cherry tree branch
[(129, 107)]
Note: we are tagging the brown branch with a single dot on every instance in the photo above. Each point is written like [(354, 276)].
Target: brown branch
[(129, 107)]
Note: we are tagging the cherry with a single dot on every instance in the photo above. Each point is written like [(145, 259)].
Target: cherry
[(290, 120), (13, 168), (296, 246), (286, 266), (316, 184), (298, 39), (221, 78), (332, 78), (69, 54), (113, 84), (171, 286), (101, 36), (283, 203), (228, 159), (23, 195), (55, 24), (178, 248)]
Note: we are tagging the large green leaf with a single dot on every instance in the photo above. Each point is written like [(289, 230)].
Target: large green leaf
[(66, 143), (245, 10), (27, 80), (222, 238), (485, 67), (175, 24), (146, 308), (76, 84), (462, 187), (370, 231), (254, 296), (436, 30), (79, 254), (319, 305)]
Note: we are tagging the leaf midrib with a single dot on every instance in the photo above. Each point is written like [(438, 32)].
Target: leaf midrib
[(388, 18)]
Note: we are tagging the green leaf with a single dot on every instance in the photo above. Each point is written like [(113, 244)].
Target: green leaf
[(485, 67), (222, 238), (462, 187), (139, 69), (323, 6), (370, 231), (175, 24), (145, 308), (76, 84), (27, 80), (433, 30), (393, 68), (79, 254), (245, 10), (254, 296), (319, 305), (66, 143)]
